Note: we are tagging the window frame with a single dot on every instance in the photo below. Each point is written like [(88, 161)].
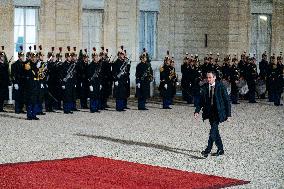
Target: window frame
[(37, 23), (146, 33)]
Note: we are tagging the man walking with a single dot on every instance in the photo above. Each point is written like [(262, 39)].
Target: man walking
[(216, 107)]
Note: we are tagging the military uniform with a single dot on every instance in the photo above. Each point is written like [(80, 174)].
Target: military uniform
[(167, 88), (107, 80), (121, 78), (32, 87), (263, 69), (4, 79), (144, 76), (186, 80), (18, 80), (234, 78), (68, 82), (82, 84), (94, 76), (251, 76)]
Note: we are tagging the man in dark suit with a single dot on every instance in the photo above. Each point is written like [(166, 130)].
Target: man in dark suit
[(216, 107)]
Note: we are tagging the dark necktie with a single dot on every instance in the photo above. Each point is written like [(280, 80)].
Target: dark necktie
[(211, 94)]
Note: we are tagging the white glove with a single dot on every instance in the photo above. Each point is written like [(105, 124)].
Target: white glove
[(38, 64), (177, 83), (116, 83), (16, 86), (81, 84), (46, 85), (101, 87), (75, 86), (41, 86), (63, 87), (166, 86), (138, 85), (91, 88)]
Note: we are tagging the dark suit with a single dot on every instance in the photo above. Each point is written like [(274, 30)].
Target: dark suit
[(217, 112)]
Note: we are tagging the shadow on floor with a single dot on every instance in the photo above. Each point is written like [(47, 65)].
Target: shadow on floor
[(144, 144)]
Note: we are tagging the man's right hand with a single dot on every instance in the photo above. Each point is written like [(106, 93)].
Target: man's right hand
[(116, 83), (196, 115), (63, 87)]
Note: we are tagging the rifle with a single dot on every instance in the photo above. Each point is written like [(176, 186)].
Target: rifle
[(69, 72), (123, 67), (96, 74)]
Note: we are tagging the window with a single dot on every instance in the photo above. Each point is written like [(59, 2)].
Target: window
[(148, 32), (25, 28), (261, 34), (92, 27)]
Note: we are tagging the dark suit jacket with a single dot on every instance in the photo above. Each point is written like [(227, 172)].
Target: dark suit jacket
[(221, 99)]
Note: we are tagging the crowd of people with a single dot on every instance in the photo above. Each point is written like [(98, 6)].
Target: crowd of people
[(58, 84)]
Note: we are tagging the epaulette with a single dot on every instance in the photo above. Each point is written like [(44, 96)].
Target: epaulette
[(161, 68)]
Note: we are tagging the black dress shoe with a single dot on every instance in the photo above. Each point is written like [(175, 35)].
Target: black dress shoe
[(278, 104), (23, 112), (41, 113), (235, 103), (218, 153), (121, 110), (204, 154), (29, 118), (107, 106), (143, 109), (167, 108), (127, 108), (75, 110), (252, 102), (35, 118)]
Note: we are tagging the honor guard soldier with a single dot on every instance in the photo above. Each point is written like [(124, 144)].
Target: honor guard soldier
[(82, 78), (18, 79), (196, 80), (28, 54), (275, 74), (128, 62), (32, 87), (263, 69), (51, 81), (4, 78), (166, 87), (42, 80), (107, 80), (187, 78), (251, 77), (67, 73), (94, 77), (120, 76), (58, 88), (144, 76), (234, 79), (242, 64), (74, 60)]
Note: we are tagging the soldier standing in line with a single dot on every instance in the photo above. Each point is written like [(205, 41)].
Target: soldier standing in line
[(196, 80), (18, 80), (82, 84), (32, 87), (107, 80), (128, 66), (234, 79), (4, 79), (58, 88), (144, 76), (74, 60), (186, 81), (263, 68), (42, 80), (68, 83), (50, 81), (120, 76), (94, 77), (251, 76), (166, 88)]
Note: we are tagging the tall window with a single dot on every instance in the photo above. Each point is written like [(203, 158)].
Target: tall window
[(148, 32), (92, 25), (25, 28), (261, 34)]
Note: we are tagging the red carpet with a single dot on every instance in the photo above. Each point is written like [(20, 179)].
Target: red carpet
[(95, 172)]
